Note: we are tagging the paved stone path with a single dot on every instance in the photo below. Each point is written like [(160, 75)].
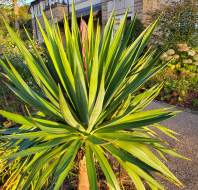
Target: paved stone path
[(186, 124)]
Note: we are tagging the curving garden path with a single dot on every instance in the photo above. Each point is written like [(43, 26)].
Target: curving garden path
[(186, 124)]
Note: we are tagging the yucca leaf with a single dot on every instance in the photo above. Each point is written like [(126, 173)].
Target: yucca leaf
[(170, 133), (38, 104), (93, 86), (137, 103), (45, 175), (28, 95), (136, 179), (91, 170), (16, 176), (133, 166), (128, 33), (67, 112), (81, 91), (66, 163), (49, 96), (105, 41), (44, 66), (161, 148), (36, 70), (125, 136), (123, 108), (131, 163), (147, 37), (32, 135), (37, 148), (135, 173), (52, 127), (53, 51), (115, 44), (91, 32), (106, 168), (69, 80), (37, 165), (16, 117), (128, 59), (142, 77), (135, 120), (98, 105), (145, 155), (75, 28), (144, 99)]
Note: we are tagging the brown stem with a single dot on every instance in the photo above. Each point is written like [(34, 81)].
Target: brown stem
[(83, 181)]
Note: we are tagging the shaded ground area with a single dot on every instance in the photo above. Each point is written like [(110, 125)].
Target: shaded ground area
[(186, 124)]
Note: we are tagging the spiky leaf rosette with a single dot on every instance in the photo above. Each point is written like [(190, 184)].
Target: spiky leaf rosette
[(87, 101)]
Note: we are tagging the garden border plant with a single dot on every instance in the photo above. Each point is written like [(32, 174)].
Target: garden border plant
[(87, 103), (180, 77)]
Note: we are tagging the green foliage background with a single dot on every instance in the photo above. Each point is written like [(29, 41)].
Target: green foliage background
[(179, 23)]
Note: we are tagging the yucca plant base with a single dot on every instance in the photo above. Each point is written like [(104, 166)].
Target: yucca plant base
[(87, 104)]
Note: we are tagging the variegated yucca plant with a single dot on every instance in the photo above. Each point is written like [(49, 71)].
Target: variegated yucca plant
[(87, 102)]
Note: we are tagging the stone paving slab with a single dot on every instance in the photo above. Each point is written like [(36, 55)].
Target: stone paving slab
[(186, 124)]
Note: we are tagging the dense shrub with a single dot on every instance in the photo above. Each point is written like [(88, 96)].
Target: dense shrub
[(7, 98), (178, 32), (178, 23), (180, 77)]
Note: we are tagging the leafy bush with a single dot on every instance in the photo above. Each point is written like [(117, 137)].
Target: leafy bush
[(178, 23), (7, 98), (86, 104), (181, 76), (23, 18)]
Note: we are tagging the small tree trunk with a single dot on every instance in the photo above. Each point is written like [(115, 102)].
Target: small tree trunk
[(83, 181), (16, 13)]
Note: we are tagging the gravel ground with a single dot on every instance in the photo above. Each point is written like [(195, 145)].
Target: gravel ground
[(186, 124)]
